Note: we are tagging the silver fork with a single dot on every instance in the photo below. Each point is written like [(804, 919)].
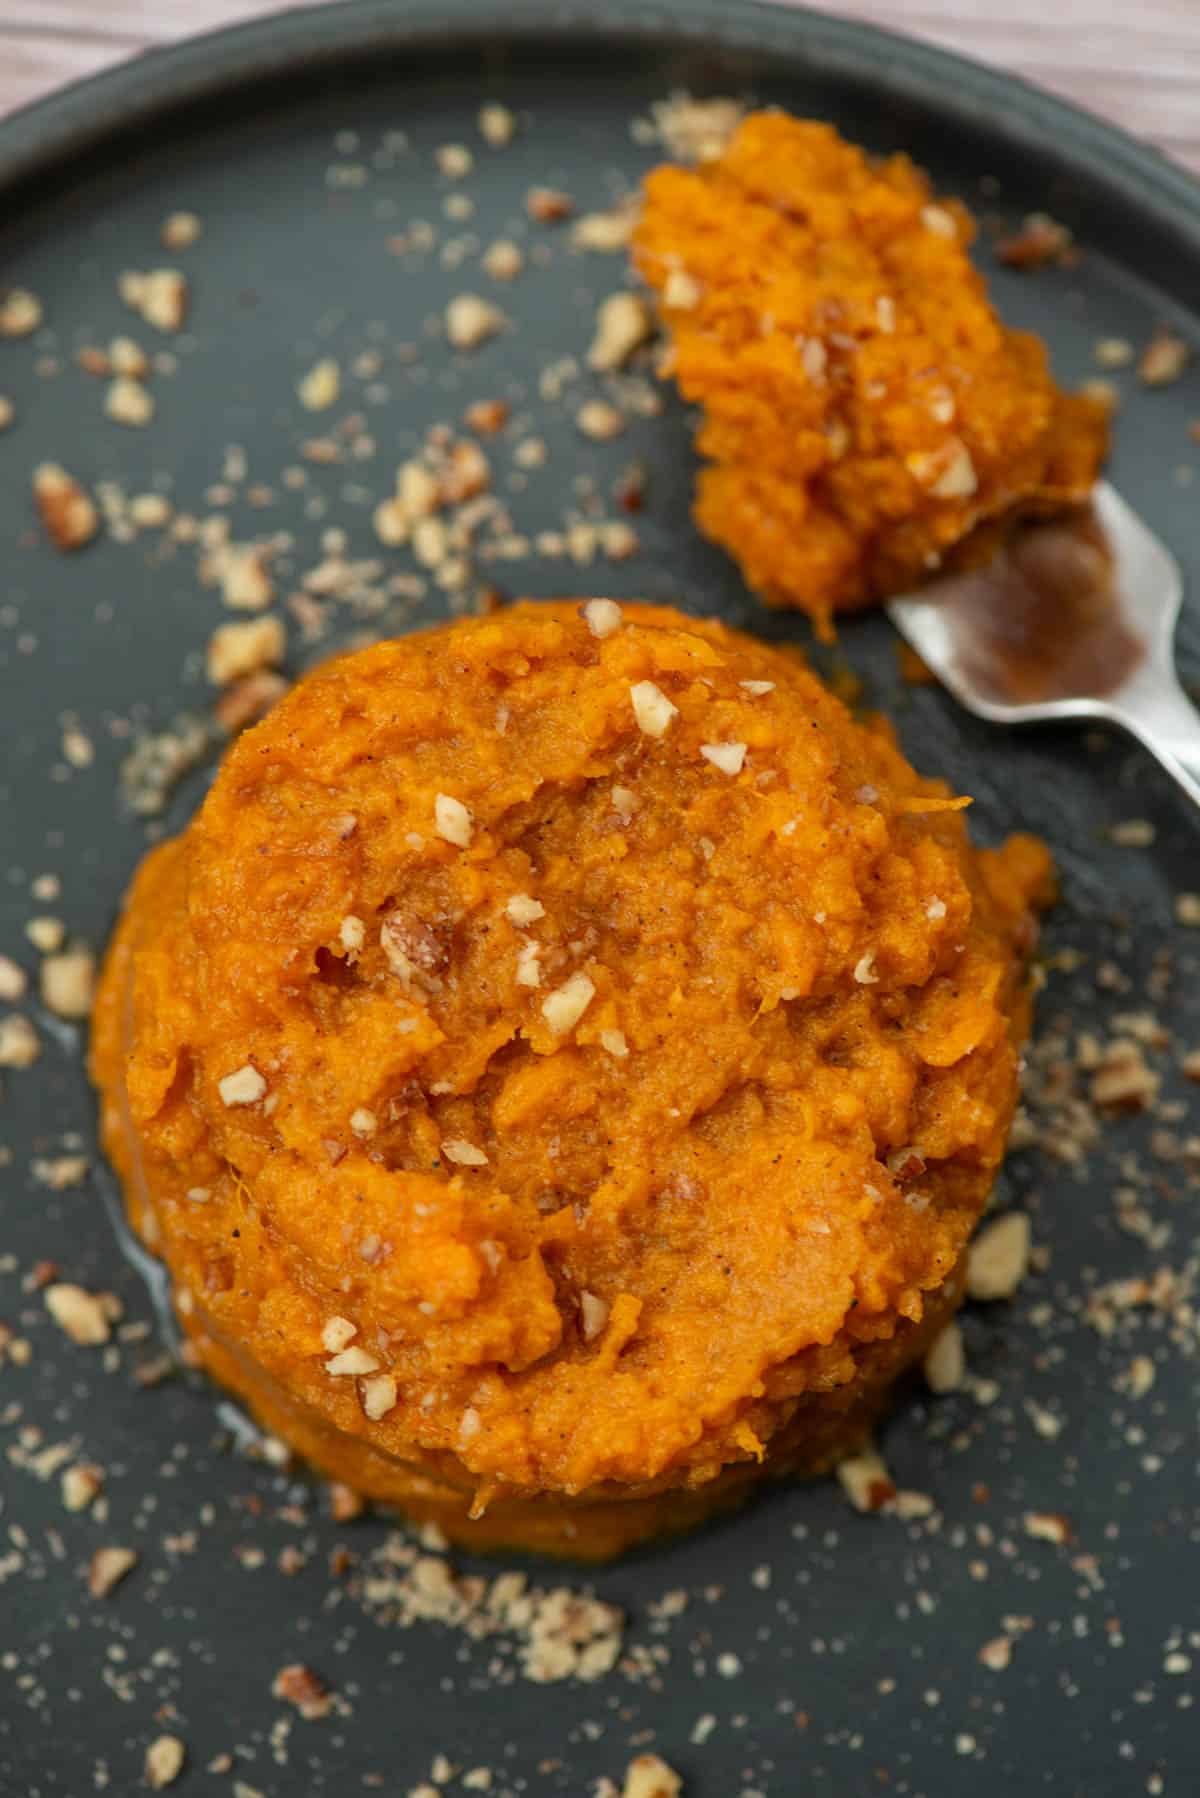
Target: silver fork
[(1074, 619)]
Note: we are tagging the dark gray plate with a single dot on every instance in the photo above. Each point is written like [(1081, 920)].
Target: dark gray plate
[(856, 1666)]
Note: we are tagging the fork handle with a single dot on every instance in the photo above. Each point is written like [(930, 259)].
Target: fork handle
[(1155, 709)]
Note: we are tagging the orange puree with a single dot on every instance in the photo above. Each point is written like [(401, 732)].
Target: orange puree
[(549, 1125), (864, 407)]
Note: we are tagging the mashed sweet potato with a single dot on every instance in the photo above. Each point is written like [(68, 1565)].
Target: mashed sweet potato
[(561, 1066), (864, 407)]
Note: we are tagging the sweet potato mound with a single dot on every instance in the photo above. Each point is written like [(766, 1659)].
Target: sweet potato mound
[(864, 407), (561, 1065)]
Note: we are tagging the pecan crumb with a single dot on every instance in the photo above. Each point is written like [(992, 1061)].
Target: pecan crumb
[(80, 1484), (470, 321), (865, 1480), (1164, 359), (486, 417), (345, 1504), (945, 1364), (85, 1317), (606, 231), (127, 402), (1123, 1080), (108, 1567), (593, 1315), (125, 357), (996, 1655), (1041, 240), (159, 296), (548, 205), (1113, 352), (652, 710), (600, 420), (235, 650), (69, 983), (20, 1044), (299, 1685), (694, 130), (248, 700), (1048, 1526), (67, 512), (1132, 833), (497, 125), (20, 313), (563, 1008), (998, 1258), (13, 980), (164, 1761), (181, 230), (649, 1776), (503, 260), (321, 386), (623, 323)]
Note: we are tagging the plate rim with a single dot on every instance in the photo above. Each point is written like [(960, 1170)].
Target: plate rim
[(146, 94), (42, 137)]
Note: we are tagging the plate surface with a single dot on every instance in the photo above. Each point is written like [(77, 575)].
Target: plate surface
[(813, 1650)]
